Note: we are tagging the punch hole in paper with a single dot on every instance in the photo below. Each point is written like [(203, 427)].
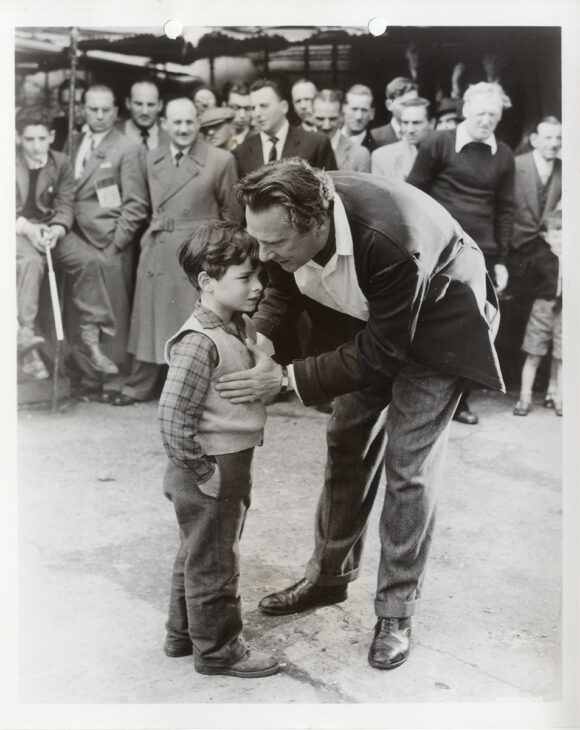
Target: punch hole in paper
[(377, 26), (173, 28)]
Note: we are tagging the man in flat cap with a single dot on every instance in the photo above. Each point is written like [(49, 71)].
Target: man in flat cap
[(216, 126)]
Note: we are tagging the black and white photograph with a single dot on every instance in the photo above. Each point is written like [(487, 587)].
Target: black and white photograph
[(290, 406)]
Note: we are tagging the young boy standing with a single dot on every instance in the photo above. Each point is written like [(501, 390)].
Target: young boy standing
[(545, 322), (209, 442)]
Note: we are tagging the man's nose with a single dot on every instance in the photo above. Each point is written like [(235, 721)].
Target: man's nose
[(265, 254)]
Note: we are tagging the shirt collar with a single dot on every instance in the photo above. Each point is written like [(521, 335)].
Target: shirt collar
[(174, 150), (356, 138), (207, 318), (463, 137), (343, 244), (96, 137), (544, 167), (34, 164), (133, 130), (281, 135)]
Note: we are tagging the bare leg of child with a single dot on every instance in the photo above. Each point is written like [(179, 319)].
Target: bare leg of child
[(529, 370), (552, 386)]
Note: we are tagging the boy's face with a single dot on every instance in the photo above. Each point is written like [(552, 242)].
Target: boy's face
[(238, 290), (35, 141)]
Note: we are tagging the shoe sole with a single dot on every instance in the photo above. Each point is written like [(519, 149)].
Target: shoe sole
[(177, 653), (329, 601), (229, 672), (394, 665)]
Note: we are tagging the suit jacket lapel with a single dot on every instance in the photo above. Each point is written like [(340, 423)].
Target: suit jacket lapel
[(99, 154), (554, 192), (45, 176), (529, 184), (172, 178), (292, 143), (341, 152), (22, 179)]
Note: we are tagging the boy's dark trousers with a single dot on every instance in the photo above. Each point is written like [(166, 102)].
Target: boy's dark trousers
[(205, 605)]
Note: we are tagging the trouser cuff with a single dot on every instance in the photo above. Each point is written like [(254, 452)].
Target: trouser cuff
[(396, 608), (314, 576)]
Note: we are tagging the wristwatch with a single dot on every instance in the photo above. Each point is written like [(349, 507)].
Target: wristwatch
[(284, 383)]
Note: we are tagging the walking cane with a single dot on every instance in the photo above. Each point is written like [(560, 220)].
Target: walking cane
[(57, 325)]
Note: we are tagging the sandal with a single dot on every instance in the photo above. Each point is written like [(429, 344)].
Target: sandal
[(549, 401), (522, 408)]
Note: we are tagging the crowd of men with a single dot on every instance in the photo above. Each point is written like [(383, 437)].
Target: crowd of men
[(114, 212)]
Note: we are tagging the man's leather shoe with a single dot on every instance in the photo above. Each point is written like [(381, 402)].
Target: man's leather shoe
[(254, 664), (390, 647), (100, 361), (27, 340), (122, 399), (300, 597), (177, 648), (466, 416)]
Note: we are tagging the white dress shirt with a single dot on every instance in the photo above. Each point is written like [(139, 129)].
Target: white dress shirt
[(544, 167), (281, 135), (335, 284), (89, 144)]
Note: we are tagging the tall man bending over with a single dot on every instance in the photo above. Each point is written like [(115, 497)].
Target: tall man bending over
[(398, 297)]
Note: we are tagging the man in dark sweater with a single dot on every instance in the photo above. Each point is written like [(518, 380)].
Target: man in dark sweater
[(471, 174)]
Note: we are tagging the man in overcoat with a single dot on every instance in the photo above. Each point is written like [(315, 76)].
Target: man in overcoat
[(402, 314), (189, 182), (110, 204)]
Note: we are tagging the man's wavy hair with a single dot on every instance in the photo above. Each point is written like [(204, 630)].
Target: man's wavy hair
[(306, 193)]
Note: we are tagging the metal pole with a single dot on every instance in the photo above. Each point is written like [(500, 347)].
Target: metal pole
[(74, 37)]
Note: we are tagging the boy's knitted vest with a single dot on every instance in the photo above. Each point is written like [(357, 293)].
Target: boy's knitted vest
[(226, 427)]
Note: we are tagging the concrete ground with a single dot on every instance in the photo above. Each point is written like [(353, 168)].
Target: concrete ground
[(97, 541)]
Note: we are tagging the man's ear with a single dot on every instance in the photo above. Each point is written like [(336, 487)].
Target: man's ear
[(127, 104), (372, 114), (534, 139), (51, 135), (285, 106), (205, 281)]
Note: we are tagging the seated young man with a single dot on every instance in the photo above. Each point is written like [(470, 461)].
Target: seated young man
[(44, 214)]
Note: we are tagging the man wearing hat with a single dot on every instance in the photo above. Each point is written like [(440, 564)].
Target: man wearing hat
[(448, 114), (216, 127)]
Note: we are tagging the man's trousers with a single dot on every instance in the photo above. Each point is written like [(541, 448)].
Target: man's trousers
[(86, 267), (406, 442)]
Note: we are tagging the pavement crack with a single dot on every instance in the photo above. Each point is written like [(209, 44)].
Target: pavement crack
[(326, 692)]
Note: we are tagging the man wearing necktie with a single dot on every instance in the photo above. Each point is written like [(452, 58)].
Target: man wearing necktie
[(109, 205), (144, 105), (276, 138)]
